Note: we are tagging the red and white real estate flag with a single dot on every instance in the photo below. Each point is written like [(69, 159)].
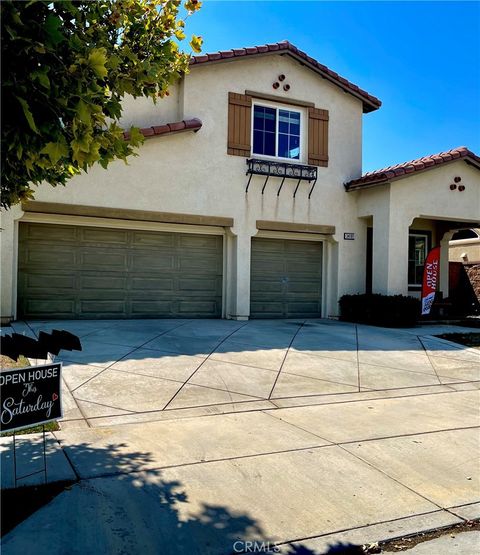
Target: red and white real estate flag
[(430, 279)]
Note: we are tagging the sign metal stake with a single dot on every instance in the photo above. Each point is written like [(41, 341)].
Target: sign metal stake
[(44, 469), (44, 454), (14, 460)]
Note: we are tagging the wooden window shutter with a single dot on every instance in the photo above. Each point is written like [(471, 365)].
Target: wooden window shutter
[(239, 124), (317, 137)]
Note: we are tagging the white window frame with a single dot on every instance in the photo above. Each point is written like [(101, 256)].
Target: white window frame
[(425, 235), (303, 135)]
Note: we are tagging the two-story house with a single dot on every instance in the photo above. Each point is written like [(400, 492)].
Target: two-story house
[(250, 204)]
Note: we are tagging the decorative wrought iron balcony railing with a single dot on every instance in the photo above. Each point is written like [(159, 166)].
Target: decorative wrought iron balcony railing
[(284, 170)]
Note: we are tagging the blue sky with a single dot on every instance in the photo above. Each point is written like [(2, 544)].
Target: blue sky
[(422, 59)]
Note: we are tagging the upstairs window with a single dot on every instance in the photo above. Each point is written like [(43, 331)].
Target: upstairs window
[(266, 129), (276, 132)]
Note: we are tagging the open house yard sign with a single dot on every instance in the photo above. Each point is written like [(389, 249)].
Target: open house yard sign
[(30, 396)]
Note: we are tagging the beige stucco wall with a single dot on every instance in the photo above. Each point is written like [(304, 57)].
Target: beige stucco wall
[(421, 224), (143, 112), (191, 173)]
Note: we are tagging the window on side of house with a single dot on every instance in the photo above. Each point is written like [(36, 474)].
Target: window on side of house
[(418, 247), (277, 132)]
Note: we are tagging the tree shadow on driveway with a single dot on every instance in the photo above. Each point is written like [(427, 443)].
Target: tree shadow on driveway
[(131, 511)]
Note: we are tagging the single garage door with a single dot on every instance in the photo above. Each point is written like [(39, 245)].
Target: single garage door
[(88, 272), (286, 279)]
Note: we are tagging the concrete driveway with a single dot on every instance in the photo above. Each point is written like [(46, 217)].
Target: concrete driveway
[(148, 370), (299, 436)]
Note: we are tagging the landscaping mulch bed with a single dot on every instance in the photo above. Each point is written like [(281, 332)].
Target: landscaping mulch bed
[(470, 339), (6, 362), (407, 542)]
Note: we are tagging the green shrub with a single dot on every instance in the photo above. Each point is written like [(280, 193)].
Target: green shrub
[(393, 311)]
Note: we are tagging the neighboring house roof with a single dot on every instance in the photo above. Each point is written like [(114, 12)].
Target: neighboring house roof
[(386, 175), (193, 124), (370, 102), (471, 235)]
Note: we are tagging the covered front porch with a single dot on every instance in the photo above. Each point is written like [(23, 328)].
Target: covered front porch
[(455, 295), (408, 214)]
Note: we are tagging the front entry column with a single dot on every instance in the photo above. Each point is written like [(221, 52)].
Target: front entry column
[(390, 254)]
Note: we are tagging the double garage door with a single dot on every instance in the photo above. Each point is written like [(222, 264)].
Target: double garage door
[(71, 272), (86, 272)]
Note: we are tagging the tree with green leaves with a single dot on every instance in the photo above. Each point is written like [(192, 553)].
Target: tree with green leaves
[(66, 66)]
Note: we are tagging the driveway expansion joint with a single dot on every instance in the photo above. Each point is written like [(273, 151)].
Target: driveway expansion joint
[(285, 358), (429, 360), (129, 353), (202, 363)]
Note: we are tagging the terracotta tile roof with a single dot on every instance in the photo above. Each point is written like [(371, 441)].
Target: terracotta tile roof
[(385, 175), (193, 124), (370, 102)]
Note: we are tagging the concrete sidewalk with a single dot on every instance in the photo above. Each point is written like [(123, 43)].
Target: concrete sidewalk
[(305, 477)]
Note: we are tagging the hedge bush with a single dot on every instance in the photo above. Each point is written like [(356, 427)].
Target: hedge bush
[(393, 311)]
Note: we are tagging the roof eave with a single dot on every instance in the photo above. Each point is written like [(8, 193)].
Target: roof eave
[(167, 129), (361, 186), (471, 160), (475, 162), (369, 105)]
